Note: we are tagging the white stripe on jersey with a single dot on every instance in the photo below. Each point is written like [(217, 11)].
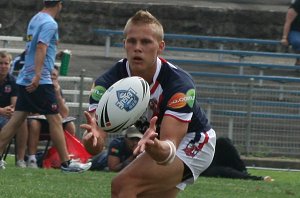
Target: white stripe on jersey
[(186, 117)]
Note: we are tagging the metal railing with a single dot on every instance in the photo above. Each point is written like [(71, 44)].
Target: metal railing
[(261, 120)]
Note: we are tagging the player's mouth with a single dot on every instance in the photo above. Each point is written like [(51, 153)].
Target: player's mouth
[(137, 59)]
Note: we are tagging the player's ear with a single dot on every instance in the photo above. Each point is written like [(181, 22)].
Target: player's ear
[(124, 40), (161, 46)]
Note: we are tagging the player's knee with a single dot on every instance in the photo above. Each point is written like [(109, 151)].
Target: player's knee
[(116, 186), (121, 184)]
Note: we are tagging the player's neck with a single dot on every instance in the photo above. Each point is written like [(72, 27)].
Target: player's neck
[(51, 11)]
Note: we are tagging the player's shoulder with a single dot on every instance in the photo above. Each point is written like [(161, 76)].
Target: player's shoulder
[(117, 142), (113, 74), (173, 75), (11, 78)]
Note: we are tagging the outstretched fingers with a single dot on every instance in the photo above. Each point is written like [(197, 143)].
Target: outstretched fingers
[(148, 137)]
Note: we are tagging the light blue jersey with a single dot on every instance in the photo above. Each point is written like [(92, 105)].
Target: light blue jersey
[(42, 28)]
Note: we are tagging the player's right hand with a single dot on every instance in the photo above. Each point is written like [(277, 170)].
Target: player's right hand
[(148, 137), (33, 85), (91, 128), (284, 42)]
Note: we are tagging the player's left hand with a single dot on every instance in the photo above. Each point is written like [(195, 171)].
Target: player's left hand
[(148, 137)]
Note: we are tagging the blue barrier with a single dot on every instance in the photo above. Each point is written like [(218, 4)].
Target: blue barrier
[(109, 33), (242, 102), (221, 39), (237, 76), (256, 114), (236, 64)]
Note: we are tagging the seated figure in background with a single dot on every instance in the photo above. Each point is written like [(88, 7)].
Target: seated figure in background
[(17, 64), (291, 28), (228, 164), (119, 153), (36, 125), (8, 98)]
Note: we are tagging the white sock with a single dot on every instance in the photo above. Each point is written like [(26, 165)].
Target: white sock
[(31, 158)]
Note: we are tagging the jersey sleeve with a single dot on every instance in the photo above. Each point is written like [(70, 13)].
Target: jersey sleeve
[(181, 101), (48, 30), (115, 147), (296, 6)]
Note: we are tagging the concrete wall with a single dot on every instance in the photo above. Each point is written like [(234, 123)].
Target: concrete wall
[(80, 17)]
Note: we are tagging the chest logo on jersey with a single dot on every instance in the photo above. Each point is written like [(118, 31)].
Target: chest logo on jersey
[(127, 99), (180, 100), (7, 89)]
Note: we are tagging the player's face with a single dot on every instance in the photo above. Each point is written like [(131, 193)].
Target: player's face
[(59, 7), (4, 65), (142, 48)]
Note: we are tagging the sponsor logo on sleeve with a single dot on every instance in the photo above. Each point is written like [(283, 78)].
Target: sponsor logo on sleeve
[(180, 100), (191, 97), (98, 92)]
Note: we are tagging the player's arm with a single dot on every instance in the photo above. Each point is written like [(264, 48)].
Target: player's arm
[(163, 150), (171, 132), (290, 16), (13, 101), (114, 163), (63, 107), (41, 50), (8, 110)]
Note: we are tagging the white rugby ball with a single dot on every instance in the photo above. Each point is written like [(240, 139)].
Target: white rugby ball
[(123, 104)]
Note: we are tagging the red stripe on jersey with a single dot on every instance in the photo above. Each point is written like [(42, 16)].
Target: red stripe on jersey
[(163, 60), (154, 87)]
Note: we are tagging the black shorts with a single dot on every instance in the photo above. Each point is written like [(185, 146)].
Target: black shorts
[(42, 100), (45, 125)]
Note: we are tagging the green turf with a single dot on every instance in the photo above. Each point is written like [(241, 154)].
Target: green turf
[(18, 183)]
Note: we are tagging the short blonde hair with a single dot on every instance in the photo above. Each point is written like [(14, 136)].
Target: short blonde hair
[(4, 54), (143, 17)]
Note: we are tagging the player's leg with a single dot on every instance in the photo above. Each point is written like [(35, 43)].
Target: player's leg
[(21, 138), (168, 193), (34, 128), (294, 40), (70, 127), (10, 129), (144, 177), (57, 136)]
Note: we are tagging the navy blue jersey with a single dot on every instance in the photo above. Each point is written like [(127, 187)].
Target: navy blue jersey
[(7, 90), (173, 93), (118, 148)]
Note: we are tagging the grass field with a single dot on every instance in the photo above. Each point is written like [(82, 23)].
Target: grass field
[(41, 183)]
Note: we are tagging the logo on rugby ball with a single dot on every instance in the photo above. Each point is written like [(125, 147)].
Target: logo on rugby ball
[(127, 99)]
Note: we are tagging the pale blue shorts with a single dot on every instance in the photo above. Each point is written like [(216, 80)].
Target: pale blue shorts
[(294, 40)]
